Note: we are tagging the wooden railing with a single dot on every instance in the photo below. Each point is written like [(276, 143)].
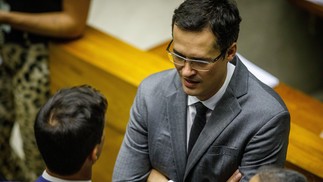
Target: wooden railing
[(116, 69)]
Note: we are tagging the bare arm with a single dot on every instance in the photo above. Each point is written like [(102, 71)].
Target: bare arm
[(69, 23)]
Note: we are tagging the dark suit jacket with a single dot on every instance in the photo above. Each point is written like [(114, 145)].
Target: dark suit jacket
[(248, 128), (41, 179)]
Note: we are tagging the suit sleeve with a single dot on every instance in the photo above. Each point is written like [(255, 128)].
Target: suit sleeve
[(267, 147), (133, 162)]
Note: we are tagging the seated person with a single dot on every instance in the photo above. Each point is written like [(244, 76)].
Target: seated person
[(69, 131), (276, 174)]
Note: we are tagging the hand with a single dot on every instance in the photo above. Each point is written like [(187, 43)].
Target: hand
[(236, 176), (156, 176)]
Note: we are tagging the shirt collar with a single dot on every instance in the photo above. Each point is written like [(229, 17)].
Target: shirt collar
[(211, 102), (52, 178)]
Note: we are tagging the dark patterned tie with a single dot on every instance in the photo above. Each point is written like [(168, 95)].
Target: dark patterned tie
[(198, 125)]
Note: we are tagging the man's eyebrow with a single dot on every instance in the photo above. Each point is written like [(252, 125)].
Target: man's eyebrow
[(175, 51)]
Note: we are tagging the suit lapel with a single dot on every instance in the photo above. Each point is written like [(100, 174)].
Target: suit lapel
[(176, 110), (226, 110)]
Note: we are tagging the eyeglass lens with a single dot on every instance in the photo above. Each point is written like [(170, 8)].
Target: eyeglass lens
[(180, 61)]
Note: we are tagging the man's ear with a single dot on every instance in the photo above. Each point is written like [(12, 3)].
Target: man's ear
[(231, 52), (95, 154)]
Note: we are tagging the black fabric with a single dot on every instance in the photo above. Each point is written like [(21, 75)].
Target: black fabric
[(31, 6), (35, 6), (198, 124)]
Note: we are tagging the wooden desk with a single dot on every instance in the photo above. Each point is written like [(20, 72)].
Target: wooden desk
[(305, 148), (116, 69), (312, 7)]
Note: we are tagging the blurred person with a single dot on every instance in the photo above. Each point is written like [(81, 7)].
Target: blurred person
[(277, 174), (27, 26), (69, 131), (209, 116)]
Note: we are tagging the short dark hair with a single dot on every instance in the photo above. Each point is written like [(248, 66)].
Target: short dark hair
[(68, 127), (222, 16), (277, 174)]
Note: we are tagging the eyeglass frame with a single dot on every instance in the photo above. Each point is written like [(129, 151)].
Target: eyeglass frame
[(191, 60)]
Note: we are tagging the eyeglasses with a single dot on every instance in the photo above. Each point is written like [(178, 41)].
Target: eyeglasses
[(196, 64)]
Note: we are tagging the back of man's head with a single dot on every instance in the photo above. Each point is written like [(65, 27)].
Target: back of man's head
[(275, 174), (69, 126)]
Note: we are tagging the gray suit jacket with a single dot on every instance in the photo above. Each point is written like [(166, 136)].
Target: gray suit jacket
[(248, 128)]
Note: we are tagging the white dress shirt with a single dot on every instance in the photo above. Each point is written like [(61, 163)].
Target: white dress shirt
[(52, 178)]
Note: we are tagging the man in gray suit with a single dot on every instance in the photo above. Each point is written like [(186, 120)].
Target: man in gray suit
[(246, 123)]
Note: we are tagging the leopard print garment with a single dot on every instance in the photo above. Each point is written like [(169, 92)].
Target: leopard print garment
[(24, 88)]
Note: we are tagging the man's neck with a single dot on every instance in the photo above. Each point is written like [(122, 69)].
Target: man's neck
[(81, 175)]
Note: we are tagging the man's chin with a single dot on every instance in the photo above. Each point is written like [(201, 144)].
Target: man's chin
[(190, 91)]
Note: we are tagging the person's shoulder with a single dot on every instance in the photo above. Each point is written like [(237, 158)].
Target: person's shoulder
[(162, 75), (254, 91), (158, 82), (265, 95), (159, 77), (41, 179)]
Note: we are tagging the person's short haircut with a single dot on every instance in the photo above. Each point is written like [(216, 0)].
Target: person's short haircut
[(69, 126), (222, 16), (276, 174)]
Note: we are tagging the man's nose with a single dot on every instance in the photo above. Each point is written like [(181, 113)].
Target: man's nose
[(187, 69)]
